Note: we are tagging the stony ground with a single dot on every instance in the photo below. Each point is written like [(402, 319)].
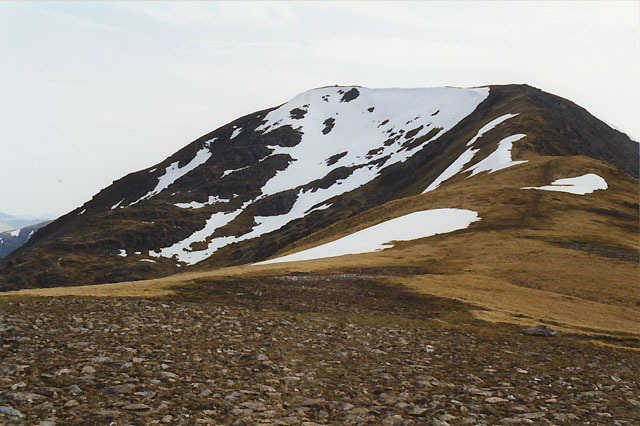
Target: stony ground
[(297, 350)]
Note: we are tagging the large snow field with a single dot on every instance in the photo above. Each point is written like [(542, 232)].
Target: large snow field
[(371, 126), (378, 237)]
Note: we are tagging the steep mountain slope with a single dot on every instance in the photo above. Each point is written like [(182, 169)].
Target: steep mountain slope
[(337, 160)]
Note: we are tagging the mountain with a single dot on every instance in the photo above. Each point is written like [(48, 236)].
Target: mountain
[(491, 163), (11, 240), (8, 222)]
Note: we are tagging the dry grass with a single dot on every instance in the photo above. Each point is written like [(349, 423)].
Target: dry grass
[(506, 302), (535, 256)]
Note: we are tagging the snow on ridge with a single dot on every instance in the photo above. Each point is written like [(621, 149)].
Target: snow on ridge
[(499, 159), (490, 126), (457, 166), (14, 233), (580, 185), (172, 173), (378, 237)]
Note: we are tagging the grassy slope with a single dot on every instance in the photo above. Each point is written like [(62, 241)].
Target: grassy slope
[(565, 259)]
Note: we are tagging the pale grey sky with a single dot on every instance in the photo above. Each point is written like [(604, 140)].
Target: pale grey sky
[(93, 91)]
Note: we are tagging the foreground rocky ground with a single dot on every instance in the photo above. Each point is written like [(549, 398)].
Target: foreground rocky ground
[(297, 350)]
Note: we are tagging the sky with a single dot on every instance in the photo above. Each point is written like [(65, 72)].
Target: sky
[(92, 91)]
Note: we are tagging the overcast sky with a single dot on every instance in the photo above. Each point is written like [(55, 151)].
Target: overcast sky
[(92, 91)]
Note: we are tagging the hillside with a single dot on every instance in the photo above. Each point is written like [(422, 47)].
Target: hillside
[(353, 256), (11, 240), (339, 159)]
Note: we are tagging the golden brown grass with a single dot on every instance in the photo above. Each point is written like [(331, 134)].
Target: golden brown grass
[(535, 256)]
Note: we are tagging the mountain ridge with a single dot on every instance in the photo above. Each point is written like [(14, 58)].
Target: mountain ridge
[(225, 173)]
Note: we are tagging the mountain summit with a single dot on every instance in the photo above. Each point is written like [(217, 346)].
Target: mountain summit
[(335, 161)]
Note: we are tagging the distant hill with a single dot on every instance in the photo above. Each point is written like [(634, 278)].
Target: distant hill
[(13, 222), (11, 240)]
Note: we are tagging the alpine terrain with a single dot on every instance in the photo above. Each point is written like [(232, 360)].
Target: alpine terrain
[(11, 240), (352, 256)]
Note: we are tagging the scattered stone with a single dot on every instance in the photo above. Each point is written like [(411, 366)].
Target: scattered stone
[(119, 389), (71, 403), (539, 330), (20, 396), (209, 364), (166, 375), (11, 412), (136, 407), (88, 370), (418, 411), (102, 412), (495, 400)]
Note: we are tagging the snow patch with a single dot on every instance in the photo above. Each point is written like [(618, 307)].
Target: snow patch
[(115, 206), (122, 253), (322, 207), (182, 249), (490, 126), (173, 173), (148, 260), (228, 172), (15, 233), (499, 159), (381, 236), (82, 212), (236, 132), (213, 199), (580, 185), (457, 166), (453, 169)]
